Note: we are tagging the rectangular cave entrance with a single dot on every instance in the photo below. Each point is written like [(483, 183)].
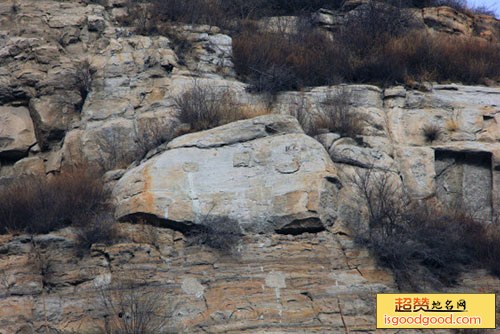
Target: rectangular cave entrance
[(464, 179)]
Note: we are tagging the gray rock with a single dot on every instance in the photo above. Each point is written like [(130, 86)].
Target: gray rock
[(348, 152), (16, 132), (264, 173)]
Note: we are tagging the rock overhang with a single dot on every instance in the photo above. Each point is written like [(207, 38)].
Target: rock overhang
[(267, 181)]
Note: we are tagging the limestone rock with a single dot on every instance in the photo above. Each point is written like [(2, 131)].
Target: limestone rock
[(449, 20), (262, 172), (107, 145), (348, 152), (419, 173), (33, 166), (16, 132)]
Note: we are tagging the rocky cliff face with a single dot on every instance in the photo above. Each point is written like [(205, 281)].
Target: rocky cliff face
[(312, 283), (76, 88)]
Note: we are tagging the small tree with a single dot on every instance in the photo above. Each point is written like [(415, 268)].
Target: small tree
[(204, 107), (336, 114), (131, 310)]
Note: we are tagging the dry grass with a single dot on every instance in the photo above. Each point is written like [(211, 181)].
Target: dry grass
[(218, 233), (132, 310), (337, 114), (309, 58), (205, 107), (286, 61), (334, 114), (37, 205), (251, 111), (452, 125), (431, 132), (442, 57), (426, 245)]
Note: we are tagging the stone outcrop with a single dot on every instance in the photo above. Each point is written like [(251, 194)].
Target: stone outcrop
[(392, 138), (88, 83), (325, 285), (436, 19), (77, 89), (16, 132), (263, 172), (308, 283)]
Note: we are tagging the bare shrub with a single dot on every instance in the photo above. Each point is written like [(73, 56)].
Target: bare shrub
[(431, 132), (41, 262), (304, 116), (484, 10), (116, 153), (219, 233), (204, 107), (381, 45), (97, 228), (193, 11), (83, 76), (441, 57), (334, 114), (337, 115), (152, 133), (150, 16), (287, 61), (37, 205), (423, 243), (459, 5), (132, 310)]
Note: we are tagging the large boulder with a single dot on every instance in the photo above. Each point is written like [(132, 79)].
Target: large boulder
[(16, 132), (263, 173)]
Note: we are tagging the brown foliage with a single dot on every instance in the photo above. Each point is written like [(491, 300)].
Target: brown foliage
[(422, 243), (379, 45), (290, 62), (442, 57), (431, 132), (287, 61), (130, 309), (149, 15), (204, 107), (96, 228), (338, 116), (219, 233), (37, 205), (334, 114)]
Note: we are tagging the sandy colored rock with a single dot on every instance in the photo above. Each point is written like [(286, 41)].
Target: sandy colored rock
[(33, 166), (262, 172), (16, 132)]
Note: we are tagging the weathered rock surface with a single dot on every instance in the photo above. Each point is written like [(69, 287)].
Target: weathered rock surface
[(436, 19), (309, 283), (16, 132), (392, 138), (262, 172), (80, 75)]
